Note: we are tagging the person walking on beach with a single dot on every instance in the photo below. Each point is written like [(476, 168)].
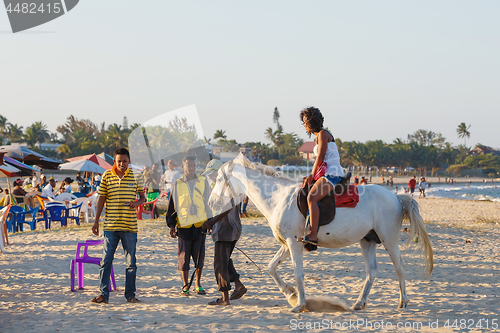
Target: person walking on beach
[(244, 205), (118, 190), (421, 187), (412, 184), (328, 159), (226, 231), (187, 210), (170, 176)]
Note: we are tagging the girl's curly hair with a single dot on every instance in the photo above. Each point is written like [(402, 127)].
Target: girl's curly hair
[(313, 118)]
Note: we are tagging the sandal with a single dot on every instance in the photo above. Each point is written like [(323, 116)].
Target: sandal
[(200, 290), (236, 294), (99, 299), (133, 300), (218, 301), (309, 245), (185, 292)]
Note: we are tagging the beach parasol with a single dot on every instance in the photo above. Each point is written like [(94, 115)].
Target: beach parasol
[(96, 159), (83, 165), (7, 171), (79, 158), (28, 156), (107, 158), (24, 169)]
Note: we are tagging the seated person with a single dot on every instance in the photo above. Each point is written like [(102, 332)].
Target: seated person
[(27, 182), (48, 191), (41, 185), (18, 190), (7, 200), (66, 185), (81, 181), (97, 180)]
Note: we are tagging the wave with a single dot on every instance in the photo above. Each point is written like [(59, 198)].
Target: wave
[(472, 192)]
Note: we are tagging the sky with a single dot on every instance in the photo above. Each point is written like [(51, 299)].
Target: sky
[(378, 70)]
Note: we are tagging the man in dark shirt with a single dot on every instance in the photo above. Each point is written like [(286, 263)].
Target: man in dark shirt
[(226, 230), (187, 211)]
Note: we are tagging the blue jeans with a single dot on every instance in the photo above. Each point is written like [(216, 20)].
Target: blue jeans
[(129, 241)]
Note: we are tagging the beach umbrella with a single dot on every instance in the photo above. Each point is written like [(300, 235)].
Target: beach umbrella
[(24, 169), (100, 161), (83, 165), (79, 158), (7, 171), (94, 158), (107, 158), (28, 156)]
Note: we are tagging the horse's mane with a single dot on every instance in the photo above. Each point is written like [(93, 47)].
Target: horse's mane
[(265, 169)]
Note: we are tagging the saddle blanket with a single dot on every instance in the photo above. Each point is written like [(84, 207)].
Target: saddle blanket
[(349, 198)]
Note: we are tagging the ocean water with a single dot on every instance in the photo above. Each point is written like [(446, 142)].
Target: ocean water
[(479, 191)]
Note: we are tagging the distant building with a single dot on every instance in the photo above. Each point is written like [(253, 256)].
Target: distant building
[(479, 150), (49, 146), (306, 150), (246, 151)]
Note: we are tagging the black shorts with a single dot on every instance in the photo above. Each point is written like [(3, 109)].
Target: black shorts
[(187, 249)]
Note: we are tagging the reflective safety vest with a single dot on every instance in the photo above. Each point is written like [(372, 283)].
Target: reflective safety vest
[(183, 203)]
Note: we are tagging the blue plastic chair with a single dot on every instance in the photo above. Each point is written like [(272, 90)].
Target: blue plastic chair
[(76, 211), (12, 218), (55, 213), (21, 218)]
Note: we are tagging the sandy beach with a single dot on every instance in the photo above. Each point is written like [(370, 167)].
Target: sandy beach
[(35, 290)]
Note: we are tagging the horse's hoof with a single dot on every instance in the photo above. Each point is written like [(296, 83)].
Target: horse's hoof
[(300, 308), (403, 305), (359, 306)]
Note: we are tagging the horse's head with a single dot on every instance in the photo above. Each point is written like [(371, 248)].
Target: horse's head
[(229, 184)]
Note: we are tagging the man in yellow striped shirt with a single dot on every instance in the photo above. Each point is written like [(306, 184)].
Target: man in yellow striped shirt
[(119, 188)]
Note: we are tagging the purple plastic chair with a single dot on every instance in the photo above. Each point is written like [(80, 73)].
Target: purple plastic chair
[(85, 259)]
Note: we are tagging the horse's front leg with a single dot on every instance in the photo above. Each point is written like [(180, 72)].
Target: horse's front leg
[(282, 254), (369, 251), (298, 269)]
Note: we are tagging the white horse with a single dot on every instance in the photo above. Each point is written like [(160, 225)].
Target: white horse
[(378, 209)]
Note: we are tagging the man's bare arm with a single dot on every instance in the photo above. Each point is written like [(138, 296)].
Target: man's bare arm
[(100, 205)]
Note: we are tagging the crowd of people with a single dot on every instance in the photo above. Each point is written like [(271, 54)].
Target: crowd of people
[(189, 217)]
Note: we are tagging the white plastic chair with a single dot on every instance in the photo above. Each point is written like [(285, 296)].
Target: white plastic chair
[(86, 207)]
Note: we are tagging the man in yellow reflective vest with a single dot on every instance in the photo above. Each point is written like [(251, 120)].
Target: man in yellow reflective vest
[(187, 211)]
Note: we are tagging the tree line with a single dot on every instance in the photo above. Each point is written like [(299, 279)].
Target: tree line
[(76, 136), (425, 151)]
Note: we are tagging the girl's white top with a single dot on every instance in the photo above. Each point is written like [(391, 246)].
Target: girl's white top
[(332, 159)]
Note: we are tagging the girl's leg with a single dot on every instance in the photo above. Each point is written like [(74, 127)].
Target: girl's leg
[(319, 190)]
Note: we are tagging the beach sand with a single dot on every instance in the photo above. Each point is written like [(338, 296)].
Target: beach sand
[(35, 293)]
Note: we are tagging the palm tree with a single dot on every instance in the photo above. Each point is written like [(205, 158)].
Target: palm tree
[(276, 119), (115, 137), (15, 133), (3, 124), (37, 132), (220, 134), (463, 132), (269, 134)]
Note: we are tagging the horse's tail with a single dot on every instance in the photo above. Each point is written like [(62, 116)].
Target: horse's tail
[(417, 230)]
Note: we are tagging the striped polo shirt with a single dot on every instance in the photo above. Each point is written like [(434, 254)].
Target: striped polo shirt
[(118, 192)]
